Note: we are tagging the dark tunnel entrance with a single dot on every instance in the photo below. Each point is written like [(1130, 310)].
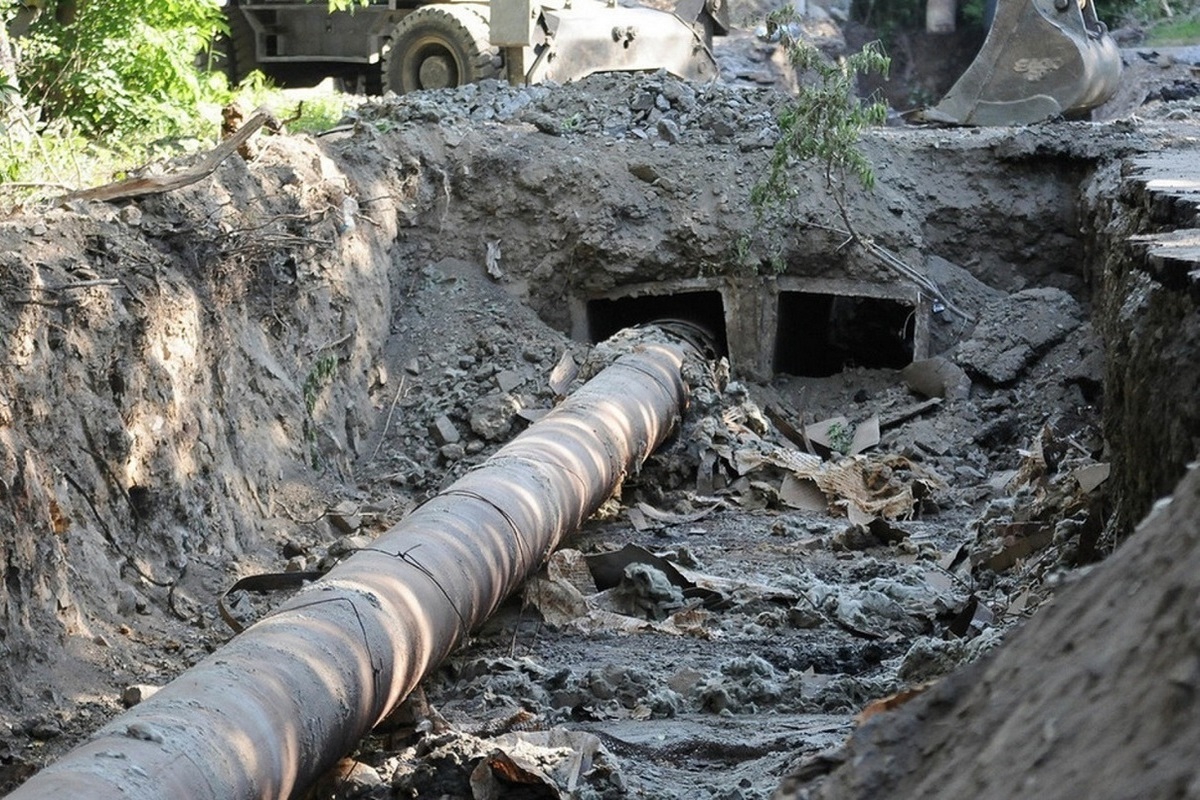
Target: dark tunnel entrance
[(703, 309), (822, 334)]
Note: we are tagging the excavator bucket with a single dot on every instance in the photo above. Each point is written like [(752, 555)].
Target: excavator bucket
[(1041, 59)]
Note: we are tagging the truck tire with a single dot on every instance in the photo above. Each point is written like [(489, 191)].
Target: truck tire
[(438, 47)]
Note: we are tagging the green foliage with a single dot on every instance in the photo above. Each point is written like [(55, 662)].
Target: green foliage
[(319, 377), (889, 17), (1174, 32), (824, 123), (973, 12), (841, 437), (123, 67), (318, 113), (1114, 11)]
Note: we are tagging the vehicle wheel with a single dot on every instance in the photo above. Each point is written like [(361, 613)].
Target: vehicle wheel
[(438, 47), (241, 49)]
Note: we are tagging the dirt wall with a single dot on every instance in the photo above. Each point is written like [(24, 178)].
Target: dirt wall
[(1147, 315), (177, 372)]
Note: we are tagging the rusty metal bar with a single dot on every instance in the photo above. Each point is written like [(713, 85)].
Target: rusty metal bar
[(271, 710)]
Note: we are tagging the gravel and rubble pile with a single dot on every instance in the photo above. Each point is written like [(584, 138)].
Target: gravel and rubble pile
[(655, 107)]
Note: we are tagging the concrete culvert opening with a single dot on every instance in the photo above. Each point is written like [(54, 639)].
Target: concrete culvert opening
[(822, 334), (705, 310)]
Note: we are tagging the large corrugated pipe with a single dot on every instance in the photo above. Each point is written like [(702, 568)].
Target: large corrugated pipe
[(266, 714)]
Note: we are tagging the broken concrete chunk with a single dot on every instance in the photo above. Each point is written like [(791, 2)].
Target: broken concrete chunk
[(866, 436), (492, 417), (443, 431), (668, 130), (344, 517), (1014, 332), (137, 693), (1091, 476), (966, 292), (937, 377), (492, 259), (509, 379), (453, 452), (927, 437), (563, 373)]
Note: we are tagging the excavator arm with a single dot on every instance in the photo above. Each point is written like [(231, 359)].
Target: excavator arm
[(1041, 59)]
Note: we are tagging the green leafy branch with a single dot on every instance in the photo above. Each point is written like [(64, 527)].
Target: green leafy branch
[(825, 121), (824, 124), (319, 377)]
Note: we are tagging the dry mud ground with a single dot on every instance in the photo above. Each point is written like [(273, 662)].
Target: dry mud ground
[(264, 370)]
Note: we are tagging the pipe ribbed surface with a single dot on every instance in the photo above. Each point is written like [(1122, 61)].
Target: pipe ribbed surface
[(266, 714)]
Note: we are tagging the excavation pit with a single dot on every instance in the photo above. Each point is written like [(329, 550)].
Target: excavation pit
[(405, 348)]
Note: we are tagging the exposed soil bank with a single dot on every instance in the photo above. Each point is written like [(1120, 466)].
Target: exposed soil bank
[(1147, 295)]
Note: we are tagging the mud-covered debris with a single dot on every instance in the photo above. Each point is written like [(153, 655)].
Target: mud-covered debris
[(645, 517), (741, 685), (1015, 330), (759, 467), (492, 416), (1051, 498), (645, 591), (563, 763), (937, 377), (930, 657), (349, 778), (863, 535), (625, 592), (974, 618)]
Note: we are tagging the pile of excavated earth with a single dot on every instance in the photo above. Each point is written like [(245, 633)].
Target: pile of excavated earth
[(900, 580)]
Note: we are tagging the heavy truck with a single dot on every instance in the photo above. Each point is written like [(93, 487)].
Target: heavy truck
[(405, 45), (1041, 58)]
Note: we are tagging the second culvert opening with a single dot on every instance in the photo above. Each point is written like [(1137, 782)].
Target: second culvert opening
[(822, 334)]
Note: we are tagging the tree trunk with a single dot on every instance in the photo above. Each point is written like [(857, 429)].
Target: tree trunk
[(940, 16)]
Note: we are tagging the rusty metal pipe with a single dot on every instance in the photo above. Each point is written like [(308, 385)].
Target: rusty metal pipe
[(271, 710)]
